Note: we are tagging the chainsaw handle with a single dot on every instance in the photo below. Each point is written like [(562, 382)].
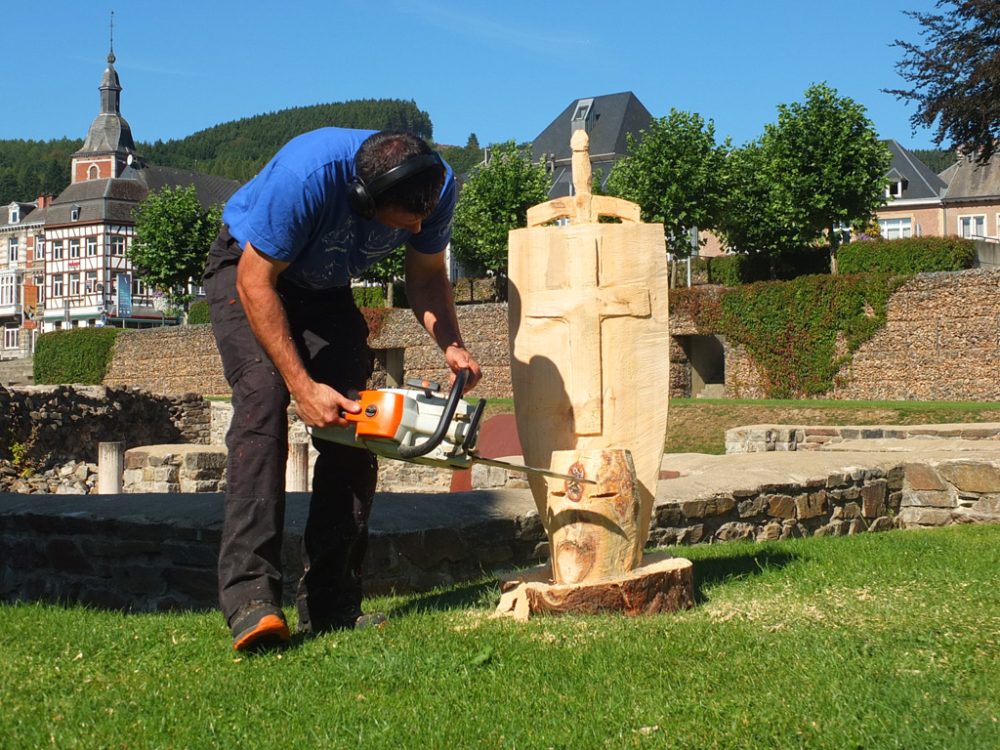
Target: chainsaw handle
[(413, 451)]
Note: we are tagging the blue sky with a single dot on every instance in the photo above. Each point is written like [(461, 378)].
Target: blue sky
[(501, 70)]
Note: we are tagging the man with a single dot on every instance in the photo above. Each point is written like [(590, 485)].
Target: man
[(331, 203)]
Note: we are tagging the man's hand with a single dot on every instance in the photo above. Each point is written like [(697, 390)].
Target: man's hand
[(319, 405), (458, 358)]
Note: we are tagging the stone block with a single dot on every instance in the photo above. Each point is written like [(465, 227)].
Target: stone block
[(873, 498), (883, 523), (846, 512), (752, 508), (770, 532), (735, 531), (781, 506), (719, 505), (198, 485), (910, 517), (693, 508), (969, 476), (928, 500), (834, 528), (810, 505), (211, 457), (922, 477)]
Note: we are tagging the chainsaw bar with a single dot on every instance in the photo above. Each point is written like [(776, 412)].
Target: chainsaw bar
[(572, 478)]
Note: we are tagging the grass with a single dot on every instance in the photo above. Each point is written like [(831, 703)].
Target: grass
[(699, 425), (874, 641)]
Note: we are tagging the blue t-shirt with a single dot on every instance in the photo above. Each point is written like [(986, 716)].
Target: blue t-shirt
[(296, 211)]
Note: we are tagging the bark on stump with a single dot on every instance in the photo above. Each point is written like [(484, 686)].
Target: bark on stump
[(596, 550)]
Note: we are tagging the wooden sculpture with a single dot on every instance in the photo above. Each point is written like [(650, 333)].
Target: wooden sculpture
[(589, 368)]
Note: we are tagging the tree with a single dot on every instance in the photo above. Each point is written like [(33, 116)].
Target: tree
[(494, 200), (674, 173), (172, 235), (386, 271), (820, 166), (955, 75)]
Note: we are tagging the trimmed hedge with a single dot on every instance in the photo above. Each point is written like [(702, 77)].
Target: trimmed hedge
[(907, 256), (198, 313), (743, 268), (368, 296), (79, 355)]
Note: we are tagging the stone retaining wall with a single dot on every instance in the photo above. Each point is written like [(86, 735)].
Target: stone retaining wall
[(760, 438), (59, 423)]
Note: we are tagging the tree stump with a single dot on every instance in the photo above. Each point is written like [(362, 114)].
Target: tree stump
[(661, 584)]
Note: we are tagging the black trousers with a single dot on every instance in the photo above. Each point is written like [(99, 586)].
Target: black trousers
[(331, 336)]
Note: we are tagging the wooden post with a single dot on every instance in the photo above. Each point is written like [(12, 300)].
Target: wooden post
[(110, 465), (297, 468)]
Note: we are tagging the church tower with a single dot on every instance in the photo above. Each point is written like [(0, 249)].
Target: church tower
[(109, 147)]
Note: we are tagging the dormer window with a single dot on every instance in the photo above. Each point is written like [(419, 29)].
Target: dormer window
[(895, 188), (74, 213), (93, 173), (14, 214), (581, 118)]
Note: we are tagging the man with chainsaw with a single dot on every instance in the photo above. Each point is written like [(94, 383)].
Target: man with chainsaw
[(330, 204)]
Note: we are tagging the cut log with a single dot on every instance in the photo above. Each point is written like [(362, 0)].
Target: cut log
[(593, 529), (661, 584)]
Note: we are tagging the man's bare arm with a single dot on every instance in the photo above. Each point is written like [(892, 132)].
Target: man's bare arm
[(428, 291), (256, 282)]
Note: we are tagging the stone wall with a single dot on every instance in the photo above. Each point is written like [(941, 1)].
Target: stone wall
[(761, 438), (59, 423), (941, 341)]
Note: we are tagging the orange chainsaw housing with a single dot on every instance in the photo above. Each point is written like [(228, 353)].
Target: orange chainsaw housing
[(380, 415)]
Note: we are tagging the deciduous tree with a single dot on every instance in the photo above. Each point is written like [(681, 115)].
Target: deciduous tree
[(494, 200), (674, 173), (954, 74), (172, 235)]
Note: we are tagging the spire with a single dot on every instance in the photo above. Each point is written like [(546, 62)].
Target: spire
[(110, 134), (111, 46)]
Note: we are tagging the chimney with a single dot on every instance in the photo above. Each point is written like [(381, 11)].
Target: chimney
[(44, 200)]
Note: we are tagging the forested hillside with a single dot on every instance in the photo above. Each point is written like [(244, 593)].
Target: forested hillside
[(235, 149), (938, 159)]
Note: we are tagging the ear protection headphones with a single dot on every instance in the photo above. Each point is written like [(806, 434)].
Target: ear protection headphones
[(361, 197)]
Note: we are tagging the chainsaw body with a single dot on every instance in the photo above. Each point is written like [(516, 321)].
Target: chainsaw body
[(417, 424)]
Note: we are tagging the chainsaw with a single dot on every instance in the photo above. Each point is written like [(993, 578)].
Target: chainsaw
[(420, 425)]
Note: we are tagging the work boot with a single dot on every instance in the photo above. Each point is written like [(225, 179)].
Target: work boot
[(258, 626), (353, 619)]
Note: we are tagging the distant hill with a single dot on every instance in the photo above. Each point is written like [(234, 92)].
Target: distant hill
[(938, 159), (236, 150)]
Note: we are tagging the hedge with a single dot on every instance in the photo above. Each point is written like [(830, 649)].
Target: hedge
[(907, 256), (198, 313), (79, 355), (747, 268)]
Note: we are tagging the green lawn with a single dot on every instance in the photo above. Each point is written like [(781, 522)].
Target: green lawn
[(875, 641)]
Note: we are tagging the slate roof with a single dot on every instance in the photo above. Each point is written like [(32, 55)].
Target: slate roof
[(613, 116), (25, 210), (920, 181), (971, 181), (113, 200)]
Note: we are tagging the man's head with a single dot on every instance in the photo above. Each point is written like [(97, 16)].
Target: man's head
[(396, 171)]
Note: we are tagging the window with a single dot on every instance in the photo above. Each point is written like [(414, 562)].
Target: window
[(972, 226), (117, 244), (40, 285), (894, 229), (74, 284), (15, 214), (57, 285), (74, 213), (10, 337), (13, 251), (91, 282), (74, 248), (93, 173), (139, 287), (8, 289), (91, 247), (57, 249)]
